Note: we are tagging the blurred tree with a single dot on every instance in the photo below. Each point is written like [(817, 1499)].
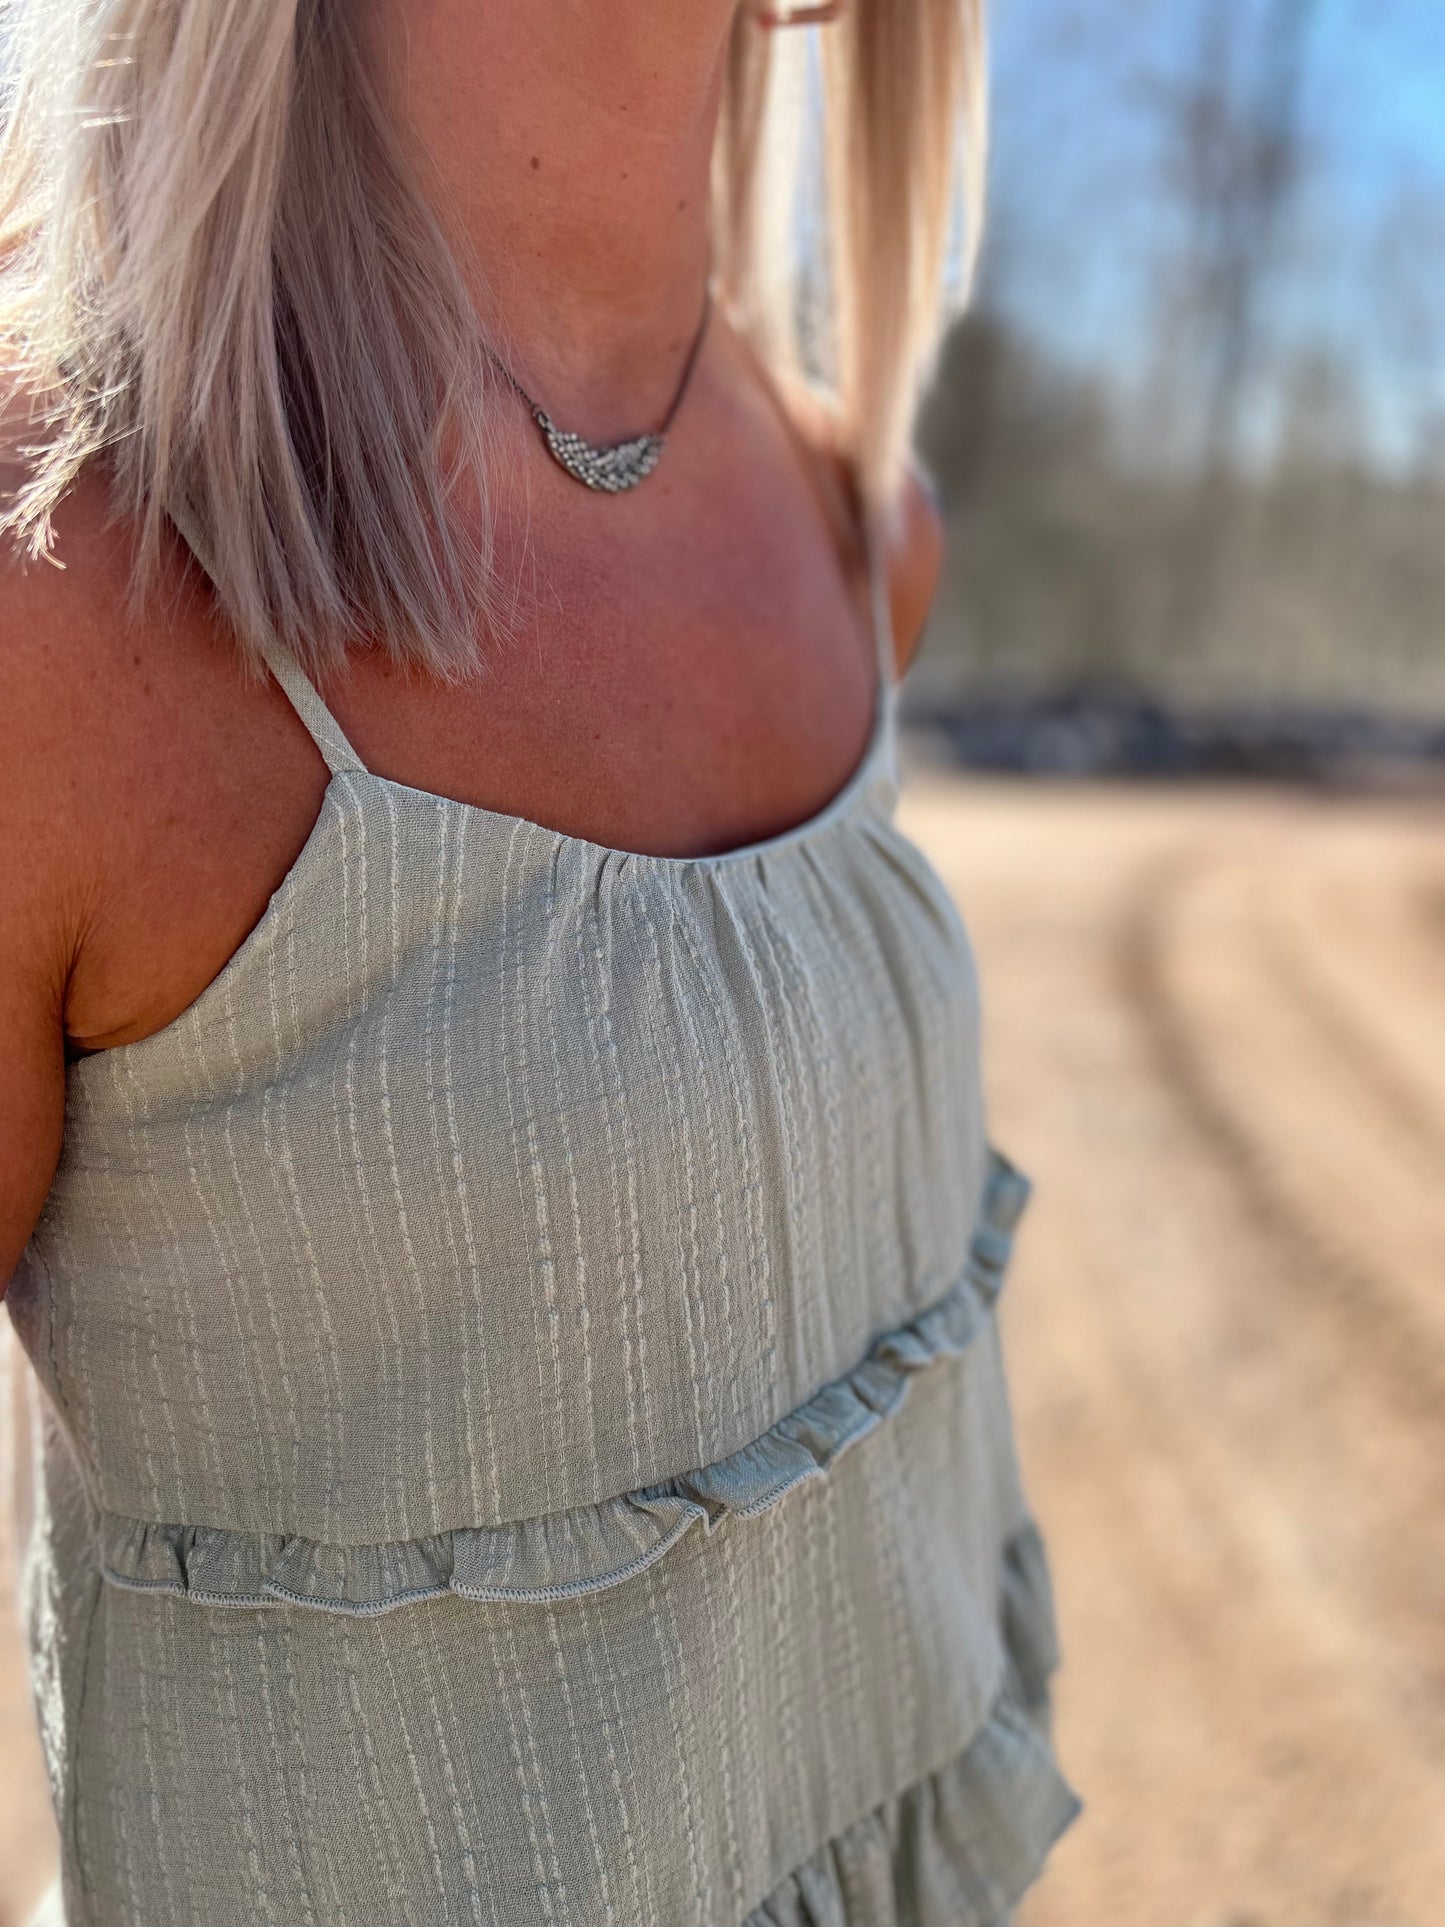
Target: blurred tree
[(1241, 497)]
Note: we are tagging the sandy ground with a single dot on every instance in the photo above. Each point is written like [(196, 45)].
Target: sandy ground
[(1215, 1037)]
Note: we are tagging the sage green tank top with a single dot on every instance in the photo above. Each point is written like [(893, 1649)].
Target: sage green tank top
[(524, 1438)]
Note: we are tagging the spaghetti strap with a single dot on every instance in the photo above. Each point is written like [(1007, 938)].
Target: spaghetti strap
[(320, 725)]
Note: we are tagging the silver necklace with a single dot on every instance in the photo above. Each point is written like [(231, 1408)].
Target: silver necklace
[(617, 465)]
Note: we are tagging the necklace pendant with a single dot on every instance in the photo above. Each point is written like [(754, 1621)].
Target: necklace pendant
[(612, 469)]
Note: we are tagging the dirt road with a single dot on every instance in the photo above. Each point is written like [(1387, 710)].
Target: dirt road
[(1215, 1037)]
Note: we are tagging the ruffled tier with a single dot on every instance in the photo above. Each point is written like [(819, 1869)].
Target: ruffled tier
[(587, 1550), (957, 1849), (960, 1847)]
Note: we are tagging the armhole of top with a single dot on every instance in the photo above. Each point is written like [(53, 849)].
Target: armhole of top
[(317, 720)]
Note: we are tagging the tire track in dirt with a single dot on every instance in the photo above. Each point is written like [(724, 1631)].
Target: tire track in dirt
[(1392, 1339), (1357, 1225), (1346, 1030), (1379, 1005)]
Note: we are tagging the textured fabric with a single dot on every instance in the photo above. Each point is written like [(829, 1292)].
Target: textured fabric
[(526, 1437)]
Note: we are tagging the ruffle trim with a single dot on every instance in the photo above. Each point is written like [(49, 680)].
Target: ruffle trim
[(962, 1846), (587, 1550), (957, 1849)]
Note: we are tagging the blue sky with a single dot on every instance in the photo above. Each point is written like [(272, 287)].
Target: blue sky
[(1084, 238)]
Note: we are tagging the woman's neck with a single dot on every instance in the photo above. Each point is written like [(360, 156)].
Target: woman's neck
[(570, 144)]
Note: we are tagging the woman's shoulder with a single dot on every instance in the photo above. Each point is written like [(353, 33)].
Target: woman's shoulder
[(67, 660), (123, 729), (50, 789), (913, 521), (56, 687), (915, 558)]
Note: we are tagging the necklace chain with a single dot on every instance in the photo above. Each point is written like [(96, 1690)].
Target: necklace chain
[(616, 466)]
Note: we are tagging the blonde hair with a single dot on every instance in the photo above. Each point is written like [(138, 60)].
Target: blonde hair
[(218, 279)]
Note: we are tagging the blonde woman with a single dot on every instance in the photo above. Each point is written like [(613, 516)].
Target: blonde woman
[(495, 1174)]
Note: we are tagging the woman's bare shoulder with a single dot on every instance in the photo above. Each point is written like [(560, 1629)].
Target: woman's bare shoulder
[(50, 629), (52, 693), (62, 651), (128, 728), (86, 689), (915, 559), (915, 523)]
